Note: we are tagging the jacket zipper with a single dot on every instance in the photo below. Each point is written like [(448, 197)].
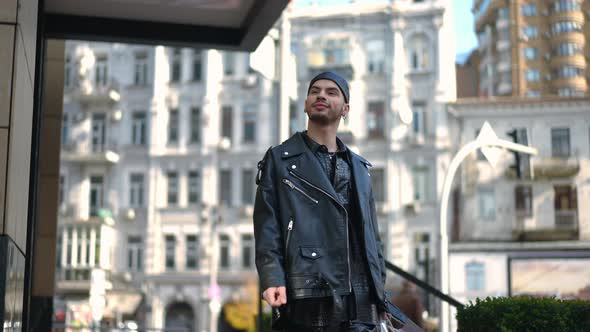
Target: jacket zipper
[(289, 229), (293, 186), (345, 219)]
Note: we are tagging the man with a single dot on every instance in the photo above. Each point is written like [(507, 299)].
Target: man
[(317, 243)]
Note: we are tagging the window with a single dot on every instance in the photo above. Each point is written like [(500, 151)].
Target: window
[(96, 194), (247, 251), (248, 182), (197, 66), (141, 69), (134, 253), (101, 71), (568, 72), (69, 72), (329, 52), (173, 126), (529, 9), (224, 244), (533, 93), (503, 13), (225, 189), (192, 252), (229, 63), (566, 206), (194, 187), (294, 118), (523, 200), (475, 276), (567, 92), (378, 182), (565, 27), (227, 122), (376, 119), (62, 189), (138, 128), (532, 75), (530, 31), (170, 241), (136, 189), (99, 132), (421, 185), (487, 203), (195, 125), (175, 66), (560, 142), (530, 53), (172, 178), (65, 129), (418, 119), (376, 57), (565, 6), (249, 118), (567, 49), (419, 53)]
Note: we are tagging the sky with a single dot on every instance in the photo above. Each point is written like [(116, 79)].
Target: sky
[(462, 19)]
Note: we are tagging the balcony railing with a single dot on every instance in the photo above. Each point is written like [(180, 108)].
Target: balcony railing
[(93, 153), (556, 167), (564, 228), (566, 219)]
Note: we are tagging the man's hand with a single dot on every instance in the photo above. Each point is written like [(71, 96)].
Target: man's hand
[(275, 296)]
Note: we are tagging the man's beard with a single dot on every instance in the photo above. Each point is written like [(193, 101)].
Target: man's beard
[(323, 119)]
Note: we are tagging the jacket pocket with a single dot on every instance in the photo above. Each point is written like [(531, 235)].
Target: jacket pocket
[(300, 190), (311, 253)]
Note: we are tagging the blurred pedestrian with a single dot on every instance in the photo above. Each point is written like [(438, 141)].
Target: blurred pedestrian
[(409, 301)]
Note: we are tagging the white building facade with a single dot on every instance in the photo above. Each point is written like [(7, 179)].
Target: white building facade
[(539, 219), (157, 180), (401, 75), (160, 147)]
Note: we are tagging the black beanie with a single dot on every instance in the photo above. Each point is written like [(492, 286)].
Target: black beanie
[(328, 75)]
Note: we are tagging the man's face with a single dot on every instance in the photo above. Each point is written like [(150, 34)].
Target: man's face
[(325, 103)]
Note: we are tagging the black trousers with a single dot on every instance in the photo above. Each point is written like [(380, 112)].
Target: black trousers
[(352, 326)]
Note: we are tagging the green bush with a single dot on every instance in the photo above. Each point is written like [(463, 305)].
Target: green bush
[(522, 314)]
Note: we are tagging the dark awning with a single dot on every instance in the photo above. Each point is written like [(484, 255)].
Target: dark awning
[(225, 24)]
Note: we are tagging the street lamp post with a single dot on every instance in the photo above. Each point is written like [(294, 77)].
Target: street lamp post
[(486, 139), (214, 291)]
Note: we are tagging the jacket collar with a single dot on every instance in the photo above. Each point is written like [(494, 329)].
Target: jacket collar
[(306, 165)]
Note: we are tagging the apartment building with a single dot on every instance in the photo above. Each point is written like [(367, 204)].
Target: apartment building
[(533, 48), (526, 235), (397, 64), (159, 152), (160, 148)]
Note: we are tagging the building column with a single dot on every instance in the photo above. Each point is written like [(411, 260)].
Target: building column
[(18, 53)]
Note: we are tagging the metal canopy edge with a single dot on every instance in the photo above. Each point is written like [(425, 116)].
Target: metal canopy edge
[(259, 19)]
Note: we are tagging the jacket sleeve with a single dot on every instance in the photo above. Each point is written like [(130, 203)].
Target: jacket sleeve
[(267, 228), (378, 237)]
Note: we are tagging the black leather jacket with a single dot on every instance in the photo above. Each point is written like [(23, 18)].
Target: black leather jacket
[(301, 229)]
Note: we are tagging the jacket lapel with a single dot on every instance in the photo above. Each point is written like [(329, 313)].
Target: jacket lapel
[(305, 164)]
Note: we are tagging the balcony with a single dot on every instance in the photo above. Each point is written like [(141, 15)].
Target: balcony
[(556, 167), (565, 228), (97, 96), (94, 154)]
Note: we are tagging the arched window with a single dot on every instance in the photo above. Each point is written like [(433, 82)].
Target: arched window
[(180, 317), (475, 276), (419, 51)]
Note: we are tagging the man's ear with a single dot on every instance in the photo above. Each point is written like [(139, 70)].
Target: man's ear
[(345, 110)]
